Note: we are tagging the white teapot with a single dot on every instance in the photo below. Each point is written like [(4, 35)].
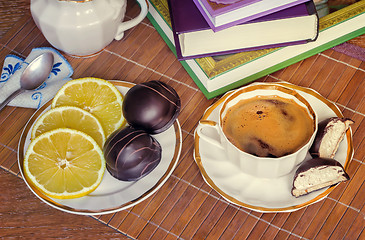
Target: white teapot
[(83, 27)]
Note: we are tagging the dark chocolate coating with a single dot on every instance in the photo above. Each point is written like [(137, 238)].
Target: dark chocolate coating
[(318, 162), (321, 132), (131, 154), (152, 106)]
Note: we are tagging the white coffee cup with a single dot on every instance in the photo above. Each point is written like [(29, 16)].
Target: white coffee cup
[(83, 27), (263, 167)]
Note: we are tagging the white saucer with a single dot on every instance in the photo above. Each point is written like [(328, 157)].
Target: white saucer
[(260, 194), (112, 195)]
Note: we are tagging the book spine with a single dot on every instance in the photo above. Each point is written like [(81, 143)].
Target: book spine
[(205, 15), (174, 33)]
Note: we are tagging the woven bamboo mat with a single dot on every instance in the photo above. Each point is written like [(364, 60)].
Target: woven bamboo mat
[(186, 207)]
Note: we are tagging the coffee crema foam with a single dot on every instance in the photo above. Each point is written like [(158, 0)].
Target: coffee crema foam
[(268, 126)]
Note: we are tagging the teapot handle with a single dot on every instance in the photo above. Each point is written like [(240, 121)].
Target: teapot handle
[(133, 22)]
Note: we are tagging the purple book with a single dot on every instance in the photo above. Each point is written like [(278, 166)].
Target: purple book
[(193, 37), (223, 17), (217, 7)]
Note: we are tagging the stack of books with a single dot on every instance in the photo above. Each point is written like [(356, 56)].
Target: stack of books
[(208, 27), (221, 54)]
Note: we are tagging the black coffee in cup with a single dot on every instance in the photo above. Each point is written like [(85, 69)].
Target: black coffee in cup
[(268, 126)]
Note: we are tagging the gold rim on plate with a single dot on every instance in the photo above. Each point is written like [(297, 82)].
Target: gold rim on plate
[(62, 207), (208, 179)]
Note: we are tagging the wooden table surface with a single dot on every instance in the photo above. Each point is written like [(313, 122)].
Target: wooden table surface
[(185, 207)]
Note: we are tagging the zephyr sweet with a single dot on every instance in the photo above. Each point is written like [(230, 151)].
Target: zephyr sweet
[(331, 132), (317, 173), (131, 154), (152, 106), (149, 108)]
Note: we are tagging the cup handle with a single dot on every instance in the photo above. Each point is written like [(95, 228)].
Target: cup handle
[(205, 124), (133, 22)]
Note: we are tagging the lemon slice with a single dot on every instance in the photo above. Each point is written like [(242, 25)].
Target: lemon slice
[(69, 117), (64, 163), (97, 96)]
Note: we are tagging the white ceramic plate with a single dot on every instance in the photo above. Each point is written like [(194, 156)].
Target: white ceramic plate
[(260, 194), (112, 195)]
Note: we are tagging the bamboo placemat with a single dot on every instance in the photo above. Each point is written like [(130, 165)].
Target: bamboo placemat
[(186, 207)]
